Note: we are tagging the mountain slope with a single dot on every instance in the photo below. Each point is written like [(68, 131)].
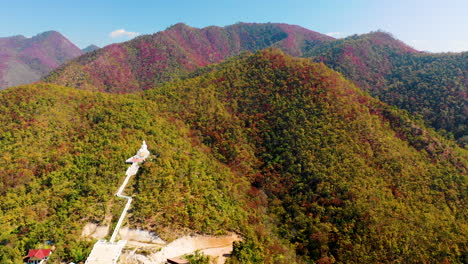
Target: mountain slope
[(431, 85), (299, 161), (347, 178), (63, 155), (90, 48), (24, 60), (142, 63)]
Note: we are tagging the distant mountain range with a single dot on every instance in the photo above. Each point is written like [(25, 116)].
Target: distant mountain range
[(90, 48), (24, 60), (148, 60), (433, 86)]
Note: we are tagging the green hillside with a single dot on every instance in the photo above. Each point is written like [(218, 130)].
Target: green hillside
[(63, 155), (432, 85), (347, 178), (304, 165)]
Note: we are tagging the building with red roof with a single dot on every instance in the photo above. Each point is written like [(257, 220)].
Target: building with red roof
[(38, 256)]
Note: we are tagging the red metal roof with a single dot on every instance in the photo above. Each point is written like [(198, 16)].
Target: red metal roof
[(39, 253)]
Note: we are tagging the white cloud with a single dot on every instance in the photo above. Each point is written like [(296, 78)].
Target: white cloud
[(123, 33), (334, 34)]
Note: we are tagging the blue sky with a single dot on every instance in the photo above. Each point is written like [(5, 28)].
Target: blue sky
[(431, 25)]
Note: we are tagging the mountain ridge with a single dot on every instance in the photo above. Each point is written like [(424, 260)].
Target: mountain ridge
[(26, 60), (433, 85), (384, 66), (152, 59), (90, 48)]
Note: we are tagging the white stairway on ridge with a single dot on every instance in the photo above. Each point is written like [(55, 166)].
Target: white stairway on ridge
[(105, 252)]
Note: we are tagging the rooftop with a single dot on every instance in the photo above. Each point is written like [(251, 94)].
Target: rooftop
[(39, 253), (177, 261)]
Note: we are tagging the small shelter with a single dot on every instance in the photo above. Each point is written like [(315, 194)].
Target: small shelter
[(38, 256)]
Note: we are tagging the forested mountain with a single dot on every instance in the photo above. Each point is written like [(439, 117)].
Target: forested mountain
[(433, 86), (90, 48), (149, 60), (63, 155), (289, 154), (24, 60)]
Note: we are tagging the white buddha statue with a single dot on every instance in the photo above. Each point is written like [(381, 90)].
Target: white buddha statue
[(143, 152)]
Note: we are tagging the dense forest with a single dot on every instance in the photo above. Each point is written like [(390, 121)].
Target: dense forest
[(149, 60), (300, 162), (433, 86), (348, 178), (63, 155)]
